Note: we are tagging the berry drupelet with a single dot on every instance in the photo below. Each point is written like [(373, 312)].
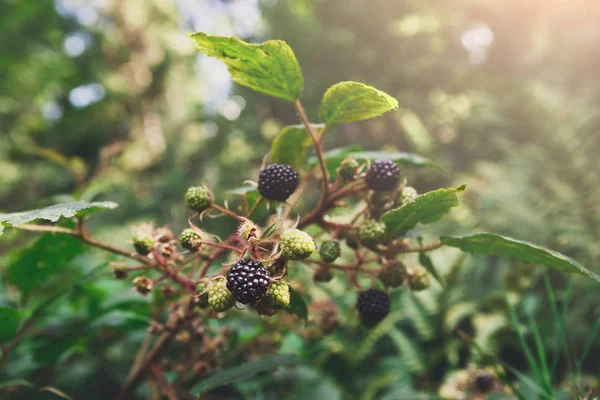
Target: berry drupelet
[(373, 305), (383, 176), (249, 281), (277, 182)]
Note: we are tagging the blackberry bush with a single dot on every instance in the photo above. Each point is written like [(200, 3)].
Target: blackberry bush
[(264, 262)]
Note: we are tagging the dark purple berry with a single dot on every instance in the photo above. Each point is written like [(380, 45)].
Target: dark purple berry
[(373, 305), (383, 176), (277, 182), (249, 281), (484, 382)]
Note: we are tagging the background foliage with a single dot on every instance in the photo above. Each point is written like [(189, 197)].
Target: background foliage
[(108, 100)]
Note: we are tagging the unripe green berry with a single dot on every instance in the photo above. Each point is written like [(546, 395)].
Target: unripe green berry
[(418, 278), (329, 251), (190, 239), (348, 168), (296, 244), (143, 242), (219, 297), (407, 195), (393, 274), (352, 239), (202, 290), (198, 198), (323, 274), (278, 295), (372, 232)]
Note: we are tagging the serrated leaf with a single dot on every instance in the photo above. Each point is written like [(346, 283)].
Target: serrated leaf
[(54, 212), (297, 305), (425, 209), (426, 262), (291, 145), (354, 101), (409, 350), (31, 266), (519, 250), (9, 323), (400, 158), (244, 371), (270, 68)]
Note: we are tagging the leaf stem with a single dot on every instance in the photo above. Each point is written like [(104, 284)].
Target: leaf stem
[(317, 146), (227, 211)]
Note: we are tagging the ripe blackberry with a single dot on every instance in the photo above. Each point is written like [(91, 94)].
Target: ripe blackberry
[(484, 382), (383, 176), (198, 198), (329, 251), (277, 182), (373, 305), (249, 281)]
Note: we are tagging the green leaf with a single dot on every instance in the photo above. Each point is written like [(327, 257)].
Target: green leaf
[(426, 262), (9, 323), (426, 209), (354, 101), (270, 68), (519, 250), (291, 145), (54, 213), (31, 266), (297, 305), (244, 371), (400, 158), (409, 350), (334, 157)]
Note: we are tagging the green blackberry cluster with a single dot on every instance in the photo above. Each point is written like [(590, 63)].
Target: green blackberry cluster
[(198, 198), (393, 274), (278, 295), (329, 251), (190, 239), (372, 233), (296, 244), (143, 242), (202, 290), (348, 169), (219, 297), (408, 194), (418, 278)]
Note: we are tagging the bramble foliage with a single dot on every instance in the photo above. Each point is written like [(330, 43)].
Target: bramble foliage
[(364, 223)]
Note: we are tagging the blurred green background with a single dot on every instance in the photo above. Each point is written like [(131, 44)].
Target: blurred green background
[(108, 100)]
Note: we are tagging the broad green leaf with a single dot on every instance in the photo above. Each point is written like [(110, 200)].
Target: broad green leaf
[(244, 371), (31, 266), (334, 157), (426, 209), (270, 68), (426, 262), (354, 101), (9, 323), (400, 158), (297, 305), (291, 145), (519, 250), (54, 213)]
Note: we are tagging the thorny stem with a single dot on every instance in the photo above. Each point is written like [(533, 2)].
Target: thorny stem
[(226, 211), (318, 149)]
